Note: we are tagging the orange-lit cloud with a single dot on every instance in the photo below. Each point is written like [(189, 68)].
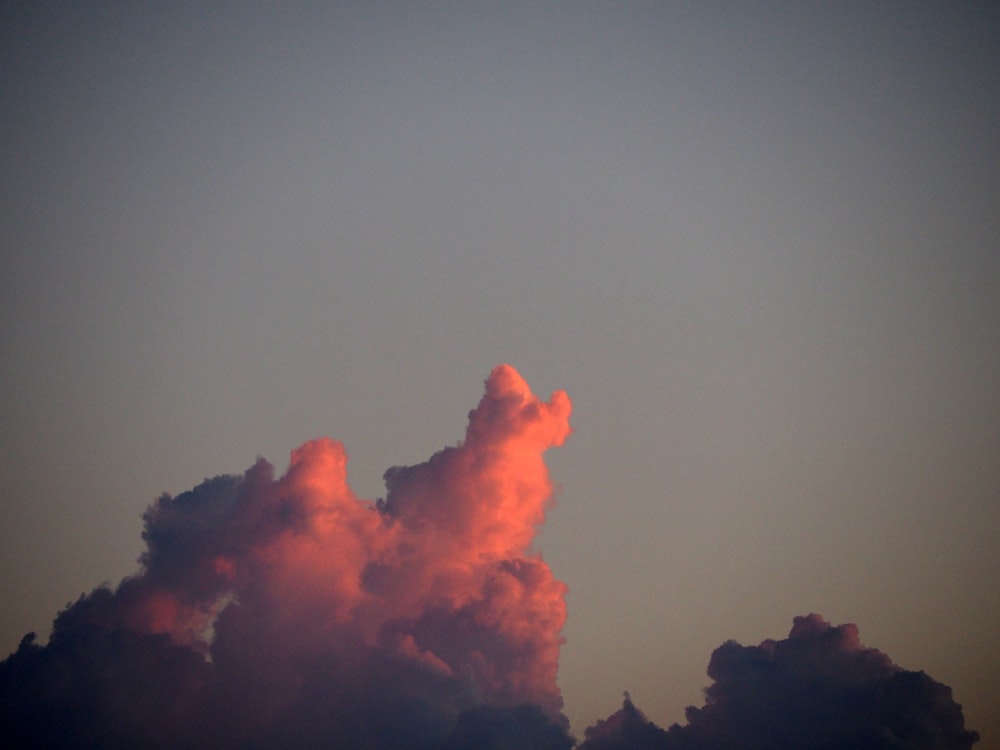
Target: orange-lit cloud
[(307, 601)]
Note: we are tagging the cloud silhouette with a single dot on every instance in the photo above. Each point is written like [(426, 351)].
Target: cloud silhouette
[(818, 688)]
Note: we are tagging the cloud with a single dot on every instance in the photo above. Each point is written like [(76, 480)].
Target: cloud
[(818, 688), (287, 612), (523, 727), (626, 728)]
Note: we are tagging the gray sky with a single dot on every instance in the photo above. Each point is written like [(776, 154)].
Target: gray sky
[(758, 244)]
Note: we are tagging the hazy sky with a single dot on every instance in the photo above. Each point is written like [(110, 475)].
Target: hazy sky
[(757, 244)]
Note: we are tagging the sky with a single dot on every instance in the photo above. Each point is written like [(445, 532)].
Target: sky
[(757, 244)]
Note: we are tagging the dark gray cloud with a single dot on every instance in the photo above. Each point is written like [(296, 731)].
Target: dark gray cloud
[(818, 688)]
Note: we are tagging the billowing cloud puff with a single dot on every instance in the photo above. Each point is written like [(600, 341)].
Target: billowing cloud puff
[(287, 612), (818, 688)]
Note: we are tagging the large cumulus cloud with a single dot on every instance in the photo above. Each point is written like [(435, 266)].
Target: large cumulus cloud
[(287, 612), (273, 612)]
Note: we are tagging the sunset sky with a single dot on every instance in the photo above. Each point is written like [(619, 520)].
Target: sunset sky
[(758, 245)]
